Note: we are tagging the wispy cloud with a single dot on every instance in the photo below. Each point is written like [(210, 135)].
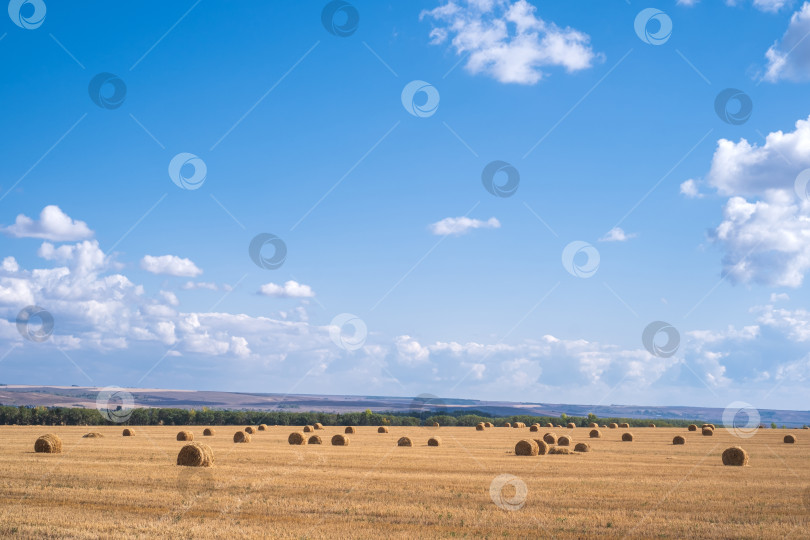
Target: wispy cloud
[(457, 226)]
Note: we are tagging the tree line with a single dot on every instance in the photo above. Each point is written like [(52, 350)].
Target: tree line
[(77, 416)]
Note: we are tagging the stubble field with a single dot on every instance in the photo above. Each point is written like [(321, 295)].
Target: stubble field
[(131, 487)]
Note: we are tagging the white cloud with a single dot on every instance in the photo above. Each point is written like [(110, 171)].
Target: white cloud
[(10, 265), (410, 351), (195, 285), (689, 189), (170, 265), (779, 297), (789, 58), (53, 225), (506, 41), (765, 232), (462, 225), (290, 289), (770, 6), (767, 241), (617, 234)]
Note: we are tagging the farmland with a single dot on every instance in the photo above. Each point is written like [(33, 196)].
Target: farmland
[(131, 486)]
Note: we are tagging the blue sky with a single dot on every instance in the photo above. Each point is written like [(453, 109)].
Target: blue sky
[(454, 291)]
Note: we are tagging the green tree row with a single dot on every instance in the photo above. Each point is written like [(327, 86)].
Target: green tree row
[(73, 416)]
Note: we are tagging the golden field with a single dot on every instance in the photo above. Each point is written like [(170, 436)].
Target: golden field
[(131, 487)]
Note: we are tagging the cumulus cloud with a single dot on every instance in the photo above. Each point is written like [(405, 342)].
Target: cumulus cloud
[(170, 265), (767, 241), (765, 231), (617, 234), (789, 58), (689, 189), (457, 226), (507, 41), (53, 225), (290, 289)]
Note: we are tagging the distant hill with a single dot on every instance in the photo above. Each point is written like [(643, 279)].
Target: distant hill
[(76, 396)]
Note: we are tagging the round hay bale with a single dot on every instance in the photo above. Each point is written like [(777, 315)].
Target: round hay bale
[(92, 435), (604, 427), (435, 424), (550, 438), (250, 430), (707, 432), (308, 429), (195, 455), (350, 429), (613, 425), (678, 440), (128, 432), (582, 447), (593, 425), (209, 432), (549, 425), (542, 447), (48, 444), (404, 441), (488, 424), (534, 428), (315, 439), (479, 427), (571, 425), (526, 447), (790, 439), (735, 456), (564, 441), (627, 437), (624, 425), (652, 425), (185, 436), (559, 450), (692, 427), (708, 426), (434, 441), (507, 425), (340, 440), (595, 434), (296, 438), (262, 427), (381, 429), (559, 426), (241, 437), (318, 425)]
